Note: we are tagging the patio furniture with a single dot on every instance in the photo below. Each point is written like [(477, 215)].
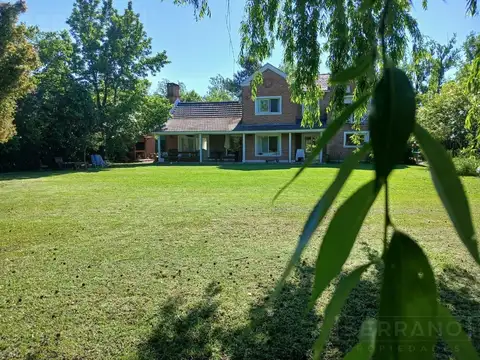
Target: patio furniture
[(188, 156), (62, 164), (172, 155), (229, 158), (273, 160), (97, 161), (215, 156), (300, 155)]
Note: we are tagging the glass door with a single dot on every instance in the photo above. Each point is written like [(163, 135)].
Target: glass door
[(309, 143)]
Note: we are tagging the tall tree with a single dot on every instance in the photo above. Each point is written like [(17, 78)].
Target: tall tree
[(153, 113), (113, 56), (17, 60), (57, 119), (444, 58), (219, 89)]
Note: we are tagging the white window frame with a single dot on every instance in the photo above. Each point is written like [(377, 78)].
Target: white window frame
[(257, 105), (345, 133), (279, 143)]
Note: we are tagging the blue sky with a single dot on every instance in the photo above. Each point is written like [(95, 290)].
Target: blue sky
[(199, 50)]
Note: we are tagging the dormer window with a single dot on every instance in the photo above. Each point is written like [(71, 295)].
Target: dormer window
[(268, 105)]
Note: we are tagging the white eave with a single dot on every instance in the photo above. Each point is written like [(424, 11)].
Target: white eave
[(264, 68)]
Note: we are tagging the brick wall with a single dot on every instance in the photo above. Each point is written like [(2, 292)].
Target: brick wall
[(273, 85), (335, 149), (171, 142)]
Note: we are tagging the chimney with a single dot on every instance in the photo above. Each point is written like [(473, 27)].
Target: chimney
[(173, 92)]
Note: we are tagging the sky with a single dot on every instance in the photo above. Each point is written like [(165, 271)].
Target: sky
[(201, 49)]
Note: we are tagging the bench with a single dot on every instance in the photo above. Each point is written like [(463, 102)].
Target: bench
[(272, 160)]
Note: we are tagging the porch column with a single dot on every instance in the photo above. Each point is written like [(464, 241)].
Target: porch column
[(289, 147), (320, 156), (201, 147), (159, 148), (243, 148)]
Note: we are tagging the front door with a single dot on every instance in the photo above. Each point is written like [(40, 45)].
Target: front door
[(308, 142)]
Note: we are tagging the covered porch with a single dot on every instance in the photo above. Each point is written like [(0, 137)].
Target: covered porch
[(238, 147)]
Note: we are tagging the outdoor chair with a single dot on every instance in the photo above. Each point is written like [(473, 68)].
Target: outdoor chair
[(60, 163), (172, 155), (97, 161)]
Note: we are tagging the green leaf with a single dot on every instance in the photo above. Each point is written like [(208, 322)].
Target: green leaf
[(392, 120), (343, 289), (340, 237), (327, 135), (365, 347), (363, 63), (459, 343), (408, 303), (449, 188), (321, 208)]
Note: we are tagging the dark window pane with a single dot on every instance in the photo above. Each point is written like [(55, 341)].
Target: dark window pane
[(274, 105), (273, 144)]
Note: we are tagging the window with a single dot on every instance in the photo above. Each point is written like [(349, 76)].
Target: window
[(267, 145), (187, 143), (268, 105), (348, 138)]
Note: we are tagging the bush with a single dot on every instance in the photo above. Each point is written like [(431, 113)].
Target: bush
[(467, 166)]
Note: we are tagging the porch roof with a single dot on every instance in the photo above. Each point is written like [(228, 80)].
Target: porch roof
[(229, 125)]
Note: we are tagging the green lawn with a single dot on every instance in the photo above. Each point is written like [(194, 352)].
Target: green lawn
[(176, 262)]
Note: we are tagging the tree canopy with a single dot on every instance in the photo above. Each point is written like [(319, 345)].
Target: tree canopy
[(113, 55), (17, 60)]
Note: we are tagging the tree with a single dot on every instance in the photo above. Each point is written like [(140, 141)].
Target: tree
[(57, 119), (154, 112), (113, 55), (219, 89), (469, 75), (444, 58), (191, 96), (428, 63), (443, 114), (17, 60)]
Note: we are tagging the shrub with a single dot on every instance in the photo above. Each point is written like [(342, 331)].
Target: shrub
[(467, 166)]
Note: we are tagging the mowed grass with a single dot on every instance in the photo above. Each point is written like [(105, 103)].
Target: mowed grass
[(177, 262)]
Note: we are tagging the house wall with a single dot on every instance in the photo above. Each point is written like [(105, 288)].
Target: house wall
[(171, 142), (335, 149), (273, 85), (150, 147)]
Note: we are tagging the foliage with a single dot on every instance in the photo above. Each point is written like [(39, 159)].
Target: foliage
[(470, 76), (429, 62), (219, 89), (467, 165), (191, 96), (58, 119), (113, 56), (17, 60), (154, 112), (443, 114)]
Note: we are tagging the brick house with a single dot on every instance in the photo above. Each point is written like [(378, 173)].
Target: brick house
[(267, 129)]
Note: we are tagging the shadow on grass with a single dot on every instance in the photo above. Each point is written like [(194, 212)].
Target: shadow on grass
[(23, 175), (283, 331), (286, 330)]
